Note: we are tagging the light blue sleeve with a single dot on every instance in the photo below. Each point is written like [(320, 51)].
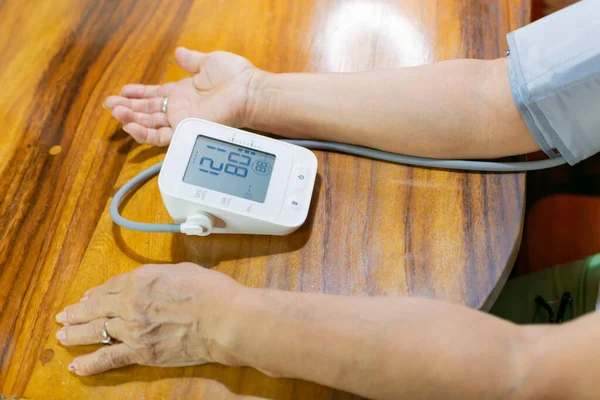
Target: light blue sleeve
[(554, 67)]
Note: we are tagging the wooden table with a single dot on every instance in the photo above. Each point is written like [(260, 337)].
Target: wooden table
[(374, 228)]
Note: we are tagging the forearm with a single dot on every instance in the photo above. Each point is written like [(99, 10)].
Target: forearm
[(453, 109), (376, 347)]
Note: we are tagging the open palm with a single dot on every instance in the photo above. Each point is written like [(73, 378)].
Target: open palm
[(217, 91)]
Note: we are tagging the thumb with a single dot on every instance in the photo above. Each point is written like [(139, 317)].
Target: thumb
[(189, 60)]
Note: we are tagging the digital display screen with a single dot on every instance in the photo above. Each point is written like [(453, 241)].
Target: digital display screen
[(229, 168)]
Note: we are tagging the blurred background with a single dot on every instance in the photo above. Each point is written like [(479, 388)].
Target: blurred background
[(571, 195)]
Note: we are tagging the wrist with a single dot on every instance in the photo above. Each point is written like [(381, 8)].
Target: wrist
[(244, 337), (259, 104), (229, 333)]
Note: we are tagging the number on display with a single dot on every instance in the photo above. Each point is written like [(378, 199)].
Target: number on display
[(236, 166)]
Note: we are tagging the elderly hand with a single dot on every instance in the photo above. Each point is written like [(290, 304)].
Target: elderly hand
[(218, 91), (163, 315)]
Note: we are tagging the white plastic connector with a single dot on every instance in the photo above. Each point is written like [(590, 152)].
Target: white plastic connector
[(198, 225)]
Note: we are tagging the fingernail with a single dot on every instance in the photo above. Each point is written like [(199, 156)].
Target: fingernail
[(61, 334), (72, 367), (87, 292), (84, 298), (125, 129), (61, 317), (103, 106)]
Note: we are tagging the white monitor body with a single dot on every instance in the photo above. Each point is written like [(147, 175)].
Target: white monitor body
[(218, 179)]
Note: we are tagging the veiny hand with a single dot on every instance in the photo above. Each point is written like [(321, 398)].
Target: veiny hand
[(218, 91), (163, 315)]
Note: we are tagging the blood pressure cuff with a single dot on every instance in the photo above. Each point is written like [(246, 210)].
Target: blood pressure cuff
[(554, 67)]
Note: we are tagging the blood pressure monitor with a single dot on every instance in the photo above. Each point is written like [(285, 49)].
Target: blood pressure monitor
[(217, 179)]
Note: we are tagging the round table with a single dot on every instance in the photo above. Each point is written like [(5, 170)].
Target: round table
[(375, 229)]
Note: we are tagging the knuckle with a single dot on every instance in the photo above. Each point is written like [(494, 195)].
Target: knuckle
[(140, 308), (121, 300), (141, 336), (136, 302), (146, 268), (85, 311), (119, 359), (149, 353), (92, 331), (110, 359), (137, 334), (95, 330), (162, 139), (125, 303), (74, 313), (105, 359), (186, 264), (70, 314), (132, 307), (155, 308)]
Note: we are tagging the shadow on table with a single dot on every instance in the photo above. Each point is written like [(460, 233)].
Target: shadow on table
[(214, 381), (211, 250), (147, 154)]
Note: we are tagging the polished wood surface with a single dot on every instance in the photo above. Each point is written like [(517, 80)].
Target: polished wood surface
[(374, 228)]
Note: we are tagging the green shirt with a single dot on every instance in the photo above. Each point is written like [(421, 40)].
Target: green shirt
[(581, 279)]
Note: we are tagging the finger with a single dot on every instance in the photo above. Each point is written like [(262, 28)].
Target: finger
[(126, 116), (91, 333), (88, 310), (148, 106), (138, 91), (189, 60), (114, 285), (104, 359), (156, 137)]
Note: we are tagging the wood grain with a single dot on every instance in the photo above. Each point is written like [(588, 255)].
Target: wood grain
[(374, 228)]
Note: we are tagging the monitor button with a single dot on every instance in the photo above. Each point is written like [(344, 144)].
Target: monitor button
[(300, 178), (294, 203)]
